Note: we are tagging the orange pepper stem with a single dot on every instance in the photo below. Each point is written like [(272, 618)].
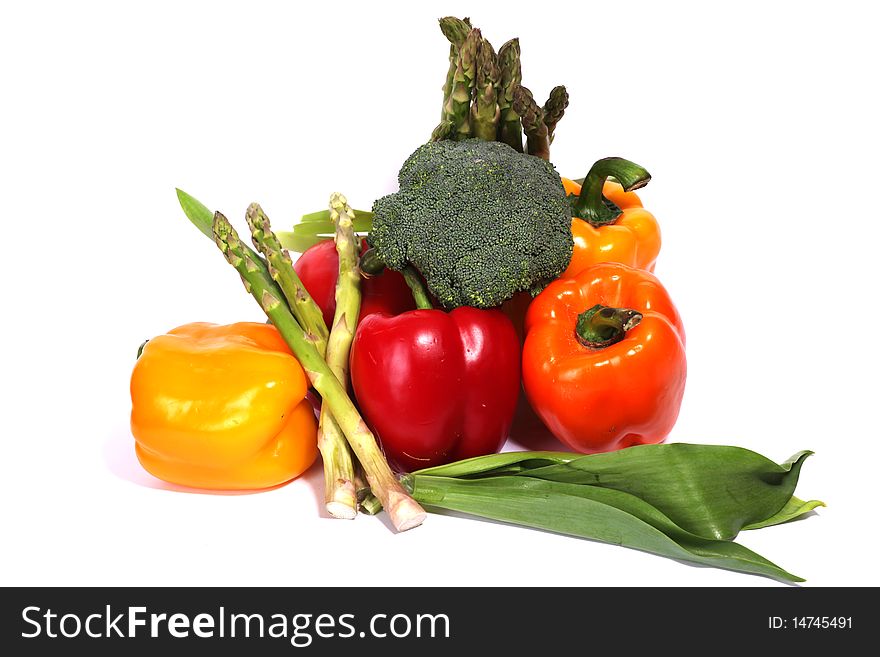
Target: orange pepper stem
[(601, 326), (590, 205), (420, 294)]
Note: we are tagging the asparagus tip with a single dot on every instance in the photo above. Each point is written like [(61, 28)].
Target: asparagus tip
[(454, 29)]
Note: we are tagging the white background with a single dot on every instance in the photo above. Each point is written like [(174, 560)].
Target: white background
[(757, 121)]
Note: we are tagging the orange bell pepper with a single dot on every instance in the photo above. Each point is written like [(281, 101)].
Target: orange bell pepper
[(222, 407), (604, 358), (608, 222)]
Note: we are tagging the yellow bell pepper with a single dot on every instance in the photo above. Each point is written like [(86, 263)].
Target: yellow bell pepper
[(222, 407)]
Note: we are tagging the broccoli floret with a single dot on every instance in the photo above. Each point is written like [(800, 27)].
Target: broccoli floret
[(479, 221)]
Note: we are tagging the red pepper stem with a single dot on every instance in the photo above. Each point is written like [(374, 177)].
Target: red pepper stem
[(370, 264), (590, 205), (601, 326), (420, 294)]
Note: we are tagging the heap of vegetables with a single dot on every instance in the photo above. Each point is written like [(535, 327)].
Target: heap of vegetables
[(417, 322)]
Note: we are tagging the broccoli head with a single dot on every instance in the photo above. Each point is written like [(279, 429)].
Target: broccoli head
[(477, 219)]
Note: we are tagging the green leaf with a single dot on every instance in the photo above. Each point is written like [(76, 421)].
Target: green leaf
[(201, 217), (498, 464), (317, 227), (592, 512), (323, 217), (711, 490), (793, 509), (679, 500), (298, 243)]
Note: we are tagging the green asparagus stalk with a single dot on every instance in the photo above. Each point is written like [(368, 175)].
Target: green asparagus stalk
[(304, 308), (485, 113), (532, 116), (554, 108), (509, 127), (404, 512), (447, 87), (458, 103), (340, 494), (456, 30)]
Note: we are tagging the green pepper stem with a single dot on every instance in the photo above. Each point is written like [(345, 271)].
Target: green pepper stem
[(590, 205), (420, 294), (601, 326)]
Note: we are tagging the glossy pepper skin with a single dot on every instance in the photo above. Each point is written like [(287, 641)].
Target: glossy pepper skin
[(436, 386), (318, 268), (222, 407), (604, 397), (631, 237)]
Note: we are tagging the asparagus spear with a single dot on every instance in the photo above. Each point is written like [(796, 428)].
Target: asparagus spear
[(404, 512), (484, 110), (458, 103), (445, 130), (509, 127), (304, 308), (340, 493), (456, 30), (537, 139), (554, 108)]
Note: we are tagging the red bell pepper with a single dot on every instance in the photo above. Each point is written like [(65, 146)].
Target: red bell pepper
[(435, 386), (318, 268)]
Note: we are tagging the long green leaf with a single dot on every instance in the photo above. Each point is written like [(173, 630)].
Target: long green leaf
[(589, 512), (317, 227), (793, 509), (299, 243), (711, 490), (503, 463), (196, 211), (323, 217)]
